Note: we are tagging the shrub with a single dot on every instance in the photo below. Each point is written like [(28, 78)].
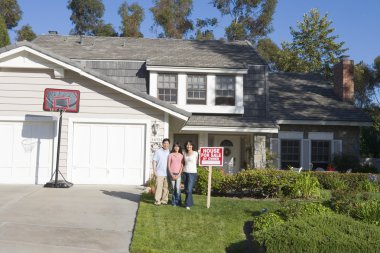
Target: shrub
[(331, 181), (305, 186), (263, 183), (266, 220), (202, 181), (319, 233), (345, 161), (291, 210), (346, 181), (367, 211)]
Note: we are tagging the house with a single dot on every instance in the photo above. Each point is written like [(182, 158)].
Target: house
[(136, 91)]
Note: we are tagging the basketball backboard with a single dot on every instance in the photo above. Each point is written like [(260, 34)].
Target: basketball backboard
[(61, 99)]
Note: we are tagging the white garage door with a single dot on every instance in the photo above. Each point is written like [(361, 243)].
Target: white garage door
[(26, 151), (108, 154)]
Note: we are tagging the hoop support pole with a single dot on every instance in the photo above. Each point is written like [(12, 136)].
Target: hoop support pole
[(58, 149)]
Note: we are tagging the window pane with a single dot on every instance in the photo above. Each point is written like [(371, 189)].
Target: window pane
[(290, 153), (196, 85), (320, 153), (167, 87), (225, 90)]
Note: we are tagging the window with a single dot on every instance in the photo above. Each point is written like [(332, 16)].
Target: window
[(290, 153), (167, 88), (196, 89), (225, 90), (320, 153)]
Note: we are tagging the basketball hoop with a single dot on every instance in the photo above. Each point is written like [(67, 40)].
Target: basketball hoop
[(59, 100), (28, 145)]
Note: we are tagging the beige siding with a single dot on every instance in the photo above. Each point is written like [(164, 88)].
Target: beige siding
[(21, 93)]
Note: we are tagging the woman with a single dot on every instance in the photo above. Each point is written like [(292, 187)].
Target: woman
[(175, 166), (190, 169)]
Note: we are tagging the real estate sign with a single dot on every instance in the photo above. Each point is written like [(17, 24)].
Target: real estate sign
[(211, 156)]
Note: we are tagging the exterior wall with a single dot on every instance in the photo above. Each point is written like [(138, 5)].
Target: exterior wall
[(349, 135), (130, 73), (22, 90)]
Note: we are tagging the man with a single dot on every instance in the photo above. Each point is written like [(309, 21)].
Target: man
[(160, 169)]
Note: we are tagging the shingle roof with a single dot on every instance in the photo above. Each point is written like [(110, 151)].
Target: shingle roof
[(294, 96), (157, 52), (98, 75), (229, 121)]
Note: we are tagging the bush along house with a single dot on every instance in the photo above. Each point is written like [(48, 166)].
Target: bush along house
[(136, 91)]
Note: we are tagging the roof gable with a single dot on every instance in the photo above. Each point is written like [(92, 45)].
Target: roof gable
[(37, 56)]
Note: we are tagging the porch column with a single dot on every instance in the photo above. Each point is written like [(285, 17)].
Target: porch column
[(202, 139), (259, 153)]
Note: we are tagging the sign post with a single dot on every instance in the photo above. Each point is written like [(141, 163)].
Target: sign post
[(210, 156)]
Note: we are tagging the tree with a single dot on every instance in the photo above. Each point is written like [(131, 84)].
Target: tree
[(11, 12), (172, 16), (131, 18), (364, 81), (102, 29), (269, 51), (203, 33), (86, 15), (251, 19), (4, 37), (313, 48), (25, 33)]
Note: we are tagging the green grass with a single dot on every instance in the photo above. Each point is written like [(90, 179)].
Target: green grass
[(175, 229)]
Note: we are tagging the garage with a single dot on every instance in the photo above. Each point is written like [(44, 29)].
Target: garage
[(26, 151), (108, 153)]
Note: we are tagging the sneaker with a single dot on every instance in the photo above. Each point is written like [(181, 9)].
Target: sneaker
[(157, 203), (187, 208), (164, 203)]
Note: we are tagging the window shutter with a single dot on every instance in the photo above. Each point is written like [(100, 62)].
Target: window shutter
[(337, 147), (275, 149), (306, 155)]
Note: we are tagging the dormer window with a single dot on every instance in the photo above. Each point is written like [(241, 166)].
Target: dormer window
[(167, 88), (196, 89), (225, 90)]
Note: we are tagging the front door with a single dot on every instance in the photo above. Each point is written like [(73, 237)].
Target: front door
[(231, 158)]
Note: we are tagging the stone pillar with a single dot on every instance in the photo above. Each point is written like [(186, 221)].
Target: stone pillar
[(259, 152)]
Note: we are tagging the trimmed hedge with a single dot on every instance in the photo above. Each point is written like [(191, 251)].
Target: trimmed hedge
[(319, 233), (202, 181)]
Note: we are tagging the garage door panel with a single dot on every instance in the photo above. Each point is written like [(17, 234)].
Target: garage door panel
[(116, 154), (99, 140), (6, 144), (82, 144)]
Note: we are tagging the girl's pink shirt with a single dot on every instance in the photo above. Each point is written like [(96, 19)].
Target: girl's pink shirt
[(175, 161)]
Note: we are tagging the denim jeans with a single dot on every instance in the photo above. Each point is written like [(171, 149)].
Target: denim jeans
[(190, 179), (176, 186)]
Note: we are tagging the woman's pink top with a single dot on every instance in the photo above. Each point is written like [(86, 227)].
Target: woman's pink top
[(175, 160)]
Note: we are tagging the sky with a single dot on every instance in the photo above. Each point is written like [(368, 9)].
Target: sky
[(357, 23)]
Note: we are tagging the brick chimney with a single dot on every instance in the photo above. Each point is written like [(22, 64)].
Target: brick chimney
[(344, 80)]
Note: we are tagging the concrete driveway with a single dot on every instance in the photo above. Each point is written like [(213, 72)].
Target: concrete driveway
[(89, 219)]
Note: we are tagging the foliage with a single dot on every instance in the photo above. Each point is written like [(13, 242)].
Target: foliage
[(331, 181), (305, 186), (250, 19), (151, 183), (173, 17), (370, 136), (131, 18), (11, 13), (86, 15), (203, 32), (293, 210), (271, 159), (343, 162), (313, 48), (102, 29), (367, 211), (4, 37), (266, 220), (25, 33), (262, 183), (364, 81), (202, 181), (320, 233), (355, 182), (269, 51)]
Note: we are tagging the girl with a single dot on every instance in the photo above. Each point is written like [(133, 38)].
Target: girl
[(175, 166), (190, 169)]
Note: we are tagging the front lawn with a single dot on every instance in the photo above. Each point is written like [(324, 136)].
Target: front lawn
[(175, 229)]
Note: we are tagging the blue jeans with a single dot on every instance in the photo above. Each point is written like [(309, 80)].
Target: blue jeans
[(176, 186), (190, 179)]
